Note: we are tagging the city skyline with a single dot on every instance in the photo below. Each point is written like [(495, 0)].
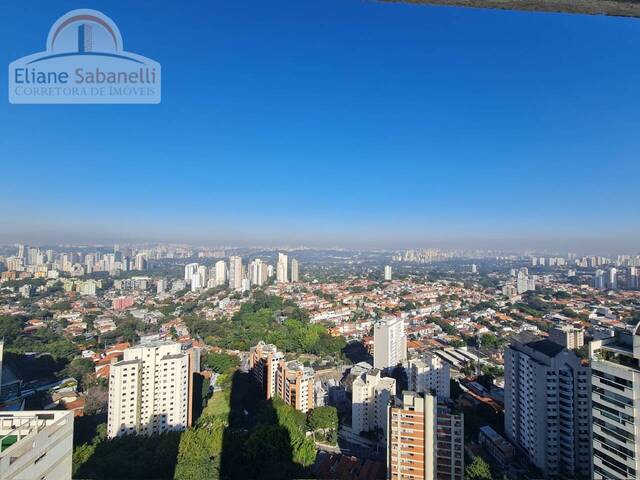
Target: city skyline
[(435, 126)]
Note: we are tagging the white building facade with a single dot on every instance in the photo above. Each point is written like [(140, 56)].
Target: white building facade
[(149, 390)]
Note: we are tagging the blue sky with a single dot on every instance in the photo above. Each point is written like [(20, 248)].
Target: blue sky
[(340, 122)]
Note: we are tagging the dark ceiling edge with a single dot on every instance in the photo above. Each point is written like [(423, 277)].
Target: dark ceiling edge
[(615, 8)]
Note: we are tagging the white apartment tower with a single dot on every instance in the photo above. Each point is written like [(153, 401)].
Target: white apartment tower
[(548, 406), (282, 269), (258, 272), (295, 270), (190, 270), (221, 273), (149, 390), (389, 343), (615, 402), (599, 281), (387, 272), (429, 375), (235, 273), (371, 396)]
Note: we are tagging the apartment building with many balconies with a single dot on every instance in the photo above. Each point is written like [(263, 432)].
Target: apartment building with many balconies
[(36, 445), (615, 403), (371, 395), (263, 361), (149, 390), (425, 440), (548, 406), (294, 385)]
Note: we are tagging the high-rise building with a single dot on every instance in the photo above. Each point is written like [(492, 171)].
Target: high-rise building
[(235, 273), (190, 270), (548, 406), (568, 336), (612, 279), (21, 251), (430, 375), (140, 262), (524, 283), (371, 395), (615, 401), (258, 272), (389, 343), (387, 272), (149, 389), (282, 273), (294, 385), (599, 280), (295, 273), (199, 279), (36, 445), (632, 278), (161, 285), (426, 440), (263, 362), (221, 273)]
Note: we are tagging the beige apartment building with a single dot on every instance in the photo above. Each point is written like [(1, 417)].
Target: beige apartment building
[(295, 385), (263, 362)]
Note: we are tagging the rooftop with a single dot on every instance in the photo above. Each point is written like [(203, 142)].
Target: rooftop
[(546, 347)]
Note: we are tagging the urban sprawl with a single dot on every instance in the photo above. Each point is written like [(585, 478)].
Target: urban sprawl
[(170, 361)]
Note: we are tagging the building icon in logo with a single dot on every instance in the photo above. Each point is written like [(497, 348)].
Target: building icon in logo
[(84, 62)]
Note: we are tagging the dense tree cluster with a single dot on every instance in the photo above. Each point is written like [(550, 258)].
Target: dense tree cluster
[(270, 319), (219, 362)]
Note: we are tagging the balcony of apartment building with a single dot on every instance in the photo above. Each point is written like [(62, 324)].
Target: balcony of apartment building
[(35, 442)]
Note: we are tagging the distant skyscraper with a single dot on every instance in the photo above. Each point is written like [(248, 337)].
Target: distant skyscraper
[(221, 273), (612, 279), (632, 278), (258, 272), (387, 272), (474, 268), (294, 270), (140, 262), (199, 279), (190, 270), (522, 281), (547, 406), (599, 280), (235, 273), (426, 441), (161, 285), (282, 273), (389, 343)]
